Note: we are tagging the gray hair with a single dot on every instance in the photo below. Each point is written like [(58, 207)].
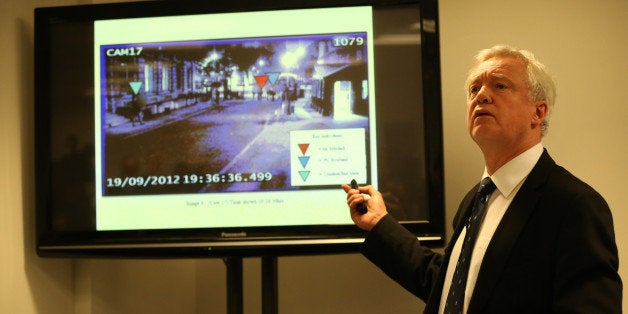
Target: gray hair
[(540, 83)]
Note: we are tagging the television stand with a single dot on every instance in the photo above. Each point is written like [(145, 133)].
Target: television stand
[(235, 283)]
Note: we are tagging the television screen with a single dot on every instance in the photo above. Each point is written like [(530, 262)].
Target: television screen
[(227, 129)]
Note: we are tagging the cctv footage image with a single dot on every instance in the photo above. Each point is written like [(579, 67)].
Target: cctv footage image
[(234, 115)]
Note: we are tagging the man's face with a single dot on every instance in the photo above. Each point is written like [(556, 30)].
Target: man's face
[(499, 111)]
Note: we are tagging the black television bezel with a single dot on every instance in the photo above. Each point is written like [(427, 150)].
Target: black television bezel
[(225, 242)]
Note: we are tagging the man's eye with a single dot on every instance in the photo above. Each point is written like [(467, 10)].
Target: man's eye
[(474, 89), (500, 86)]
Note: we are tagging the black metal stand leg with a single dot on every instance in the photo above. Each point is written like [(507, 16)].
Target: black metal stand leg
[(270, 294), (234, 285), (270, 299)]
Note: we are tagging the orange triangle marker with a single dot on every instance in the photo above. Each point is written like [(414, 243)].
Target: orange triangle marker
[(261, 80), (304, 147)]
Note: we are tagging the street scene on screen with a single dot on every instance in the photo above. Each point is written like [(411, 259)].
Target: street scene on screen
[(274, 113)]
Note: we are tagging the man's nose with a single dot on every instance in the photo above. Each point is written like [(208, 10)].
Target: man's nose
[(483, 96)]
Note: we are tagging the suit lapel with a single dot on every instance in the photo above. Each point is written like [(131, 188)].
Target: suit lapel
[(507, 232)]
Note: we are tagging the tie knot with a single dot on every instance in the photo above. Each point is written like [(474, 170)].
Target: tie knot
[(486, 187)]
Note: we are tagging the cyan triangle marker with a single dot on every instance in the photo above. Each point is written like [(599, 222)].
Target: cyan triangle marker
[(273, 77), (304, 174), (135, 86), (304, 160)]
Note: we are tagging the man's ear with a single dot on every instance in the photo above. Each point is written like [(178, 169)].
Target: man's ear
[(540, 112)]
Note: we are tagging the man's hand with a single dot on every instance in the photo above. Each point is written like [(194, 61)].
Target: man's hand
[(376, 209)]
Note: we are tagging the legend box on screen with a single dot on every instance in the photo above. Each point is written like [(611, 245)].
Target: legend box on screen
[(327, 156)]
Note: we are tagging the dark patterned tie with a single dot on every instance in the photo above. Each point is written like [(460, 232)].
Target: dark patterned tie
[(455, 297)]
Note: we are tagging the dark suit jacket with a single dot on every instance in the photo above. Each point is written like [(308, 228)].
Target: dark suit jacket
[(553, 252)]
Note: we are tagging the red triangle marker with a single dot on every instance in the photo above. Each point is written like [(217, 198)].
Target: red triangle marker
[(304, 147), (261, 80)]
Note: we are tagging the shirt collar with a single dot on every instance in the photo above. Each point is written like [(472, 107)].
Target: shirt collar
[(508, 176)]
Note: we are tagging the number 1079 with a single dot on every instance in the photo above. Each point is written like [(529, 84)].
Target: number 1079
[(348, 41)]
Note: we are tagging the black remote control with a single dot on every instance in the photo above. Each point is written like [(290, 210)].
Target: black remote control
[(362, 206)]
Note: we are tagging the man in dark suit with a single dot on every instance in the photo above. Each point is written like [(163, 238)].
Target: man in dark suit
[(544, 240)]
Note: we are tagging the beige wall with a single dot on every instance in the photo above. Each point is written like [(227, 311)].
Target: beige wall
[(583, 42)]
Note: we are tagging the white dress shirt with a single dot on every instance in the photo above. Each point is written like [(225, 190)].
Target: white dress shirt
[(508, 180)]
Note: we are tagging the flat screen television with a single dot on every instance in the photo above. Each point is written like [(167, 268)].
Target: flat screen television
[(204, 128)]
